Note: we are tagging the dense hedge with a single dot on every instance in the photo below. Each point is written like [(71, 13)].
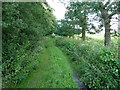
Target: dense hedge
[(23, 26), (97, 66)]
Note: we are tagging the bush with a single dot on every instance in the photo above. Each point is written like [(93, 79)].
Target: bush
[(97, 66)]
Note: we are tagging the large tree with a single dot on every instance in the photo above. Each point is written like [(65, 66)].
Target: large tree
[(105, 10), (77, 15)]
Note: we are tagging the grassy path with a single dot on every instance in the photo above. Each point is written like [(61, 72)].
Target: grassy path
[(54, 70)]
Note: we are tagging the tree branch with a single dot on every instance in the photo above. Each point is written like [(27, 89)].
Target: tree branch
[(110, 5), (115, 12), (107, 3)]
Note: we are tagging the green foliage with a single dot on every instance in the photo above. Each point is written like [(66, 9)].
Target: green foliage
[(77, 20), (97, 67), (23, 25), (65, 29)]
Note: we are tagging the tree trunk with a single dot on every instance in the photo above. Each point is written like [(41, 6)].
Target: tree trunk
[(107, 35), (83, 34), (106, 19), (119, 38), (107, 32), (84, 28)]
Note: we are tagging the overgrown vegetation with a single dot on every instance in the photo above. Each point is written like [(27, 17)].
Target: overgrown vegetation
[(97, 66), (23, 26), (31, 57)]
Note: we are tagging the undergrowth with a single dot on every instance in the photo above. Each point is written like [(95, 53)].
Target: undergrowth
[(20, 64), (97, 66)]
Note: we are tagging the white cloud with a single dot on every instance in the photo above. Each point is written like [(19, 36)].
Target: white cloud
[(59, 8)]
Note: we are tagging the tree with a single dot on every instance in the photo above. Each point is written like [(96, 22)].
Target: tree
[(105, 11), (66, 28), (77, 16)]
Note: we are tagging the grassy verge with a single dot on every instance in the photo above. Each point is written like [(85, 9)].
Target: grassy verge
[(53, 70), (97, 66)]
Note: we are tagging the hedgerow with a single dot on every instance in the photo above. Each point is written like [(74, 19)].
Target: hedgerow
[(97, 66), (23, 27)]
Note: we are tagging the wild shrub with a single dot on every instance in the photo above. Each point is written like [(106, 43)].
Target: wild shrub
[(97, 66)]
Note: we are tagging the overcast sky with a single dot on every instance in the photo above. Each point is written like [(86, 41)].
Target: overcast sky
[(59, 8)]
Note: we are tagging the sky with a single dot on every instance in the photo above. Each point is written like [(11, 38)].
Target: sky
[(59, 8)]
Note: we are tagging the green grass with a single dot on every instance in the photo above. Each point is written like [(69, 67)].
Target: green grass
[(53, 70)]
